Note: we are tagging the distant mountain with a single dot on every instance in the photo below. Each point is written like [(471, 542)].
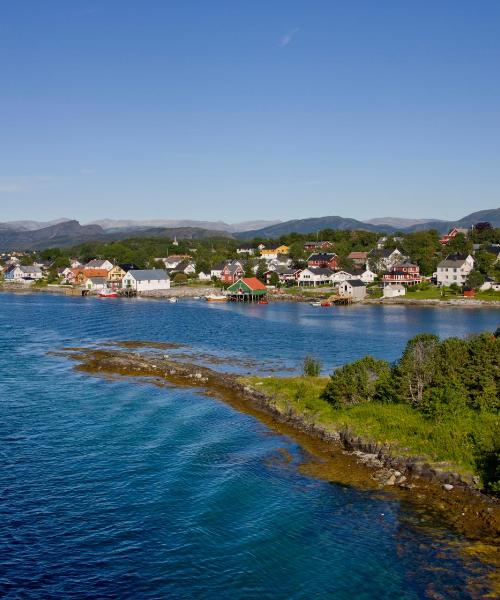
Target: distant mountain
[(29, 225), (397, 222), (311, 226), (67, 233), (317, 224), (71, 233), (121, 224), (491, 215)]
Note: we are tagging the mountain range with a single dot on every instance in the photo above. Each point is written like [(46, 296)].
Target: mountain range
[(34, 235)]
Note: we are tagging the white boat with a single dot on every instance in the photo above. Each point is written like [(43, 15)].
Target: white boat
[(315, 303), (173, 299), (216, 298)]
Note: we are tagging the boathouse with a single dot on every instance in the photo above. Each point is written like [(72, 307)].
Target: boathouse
[(247, 289)]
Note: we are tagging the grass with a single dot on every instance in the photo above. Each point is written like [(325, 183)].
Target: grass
[(449, 440)]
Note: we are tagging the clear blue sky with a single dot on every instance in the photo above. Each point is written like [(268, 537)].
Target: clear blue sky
[(234, 110)]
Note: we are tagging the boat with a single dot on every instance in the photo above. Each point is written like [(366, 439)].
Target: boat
[(216, 298), (173, 299), (263, 302), (315, 303), (325, 303), (106, 292)]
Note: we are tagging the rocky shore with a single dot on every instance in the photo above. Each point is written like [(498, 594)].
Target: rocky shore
[(434, 488)]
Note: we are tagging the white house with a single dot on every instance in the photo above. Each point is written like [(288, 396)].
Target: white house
[(315, 276), (146, 280), (173, 260), (99, 264), (185, 266), (368, 276), (23, 273), (204, 276), (95, 284), (383, 259), (341, 276), (392, 290), (455, 268), (353, 288), (245, 249)]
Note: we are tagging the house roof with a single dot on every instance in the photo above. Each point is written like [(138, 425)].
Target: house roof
[(383, 253), (92, 272), (355, 282), (357, 255), (251, 282), (96, 263), (147, 274), (322, 256), (320, 270), (97, 280), (394, 286), (30, 269), (453, 260)]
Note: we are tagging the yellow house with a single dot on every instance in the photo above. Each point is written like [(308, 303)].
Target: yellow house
[(274, 251), (116, 274)]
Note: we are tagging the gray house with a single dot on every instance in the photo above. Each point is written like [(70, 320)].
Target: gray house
[(353, 288)]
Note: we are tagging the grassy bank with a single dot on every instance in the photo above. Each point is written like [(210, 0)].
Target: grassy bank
[(452, 439)]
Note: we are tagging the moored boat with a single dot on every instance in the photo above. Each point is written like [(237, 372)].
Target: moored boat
[(106, 292), (325, 303), (216, 298), (172, 300), (315, 303)]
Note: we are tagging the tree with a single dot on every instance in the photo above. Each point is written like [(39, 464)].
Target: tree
[(474, 280), (274, 279), (356, 382), (261, 270), (417, 368)]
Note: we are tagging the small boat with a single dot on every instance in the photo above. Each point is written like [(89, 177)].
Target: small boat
[(315, 303), (263, 302), (173, 299), (106, 292), (325, 303), (196, 297), (216, 298)]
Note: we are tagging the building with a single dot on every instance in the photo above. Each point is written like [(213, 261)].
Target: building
[(99, 264), (354, 289), (185, 266), (22, 273), (146, 280), (383, 259), (358, 258), (173, 260), (367, 276), (273, 251), (317, 246), (325, 260), (451, 234), (202, 276), (245, 249), (247, 289), (393, 290), (406, 273), (340, 276), (115, 275), (94, 284), (286, 275), (455, 268), (231, 273), (315, 276)]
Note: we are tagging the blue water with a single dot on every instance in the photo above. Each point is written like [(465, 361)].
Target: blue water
[(114, 489)]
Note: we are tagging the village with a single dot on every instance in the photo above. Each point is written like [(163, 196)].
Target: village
[(259, 271)]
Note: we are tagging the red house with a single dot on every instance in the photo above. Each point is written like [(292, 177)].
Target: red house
[(231, 273), (405, 273), (315, 246), (451, 234), (325, 260)]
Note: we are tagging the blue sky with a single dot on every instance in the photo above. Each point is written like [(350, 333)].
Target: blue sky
[(237, 110)]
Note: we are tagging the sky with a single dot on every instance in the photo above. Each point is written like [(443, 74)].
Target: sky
[(237, 110)]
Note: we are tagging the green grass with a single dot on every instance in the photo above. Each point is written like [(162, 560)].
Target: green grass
[(448, 440), (488, 295), (430, 293)]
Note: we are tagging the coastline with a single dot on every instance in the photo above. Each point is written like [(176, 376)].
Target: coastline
[(358, 461), (192, 292)]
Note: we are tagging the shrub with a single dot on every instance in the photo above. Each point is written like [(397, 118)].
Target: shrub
[(180, 278), (311, 367)]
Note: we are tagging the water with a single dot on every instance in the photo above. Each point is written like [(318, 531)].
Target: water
[(113, 489)]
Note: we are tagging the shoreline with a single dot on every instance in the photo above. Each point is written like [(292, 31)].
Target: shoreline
[(188, 292), (360, 462)]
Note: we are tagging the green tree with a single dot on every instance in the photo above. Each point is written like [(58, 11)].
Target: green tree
[(356, 382)]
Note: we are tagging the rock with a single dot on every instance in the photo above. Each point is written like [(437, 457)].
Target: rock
[(198, 375), (397, 473), (401, 479), (447, 486), (391, 480)]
